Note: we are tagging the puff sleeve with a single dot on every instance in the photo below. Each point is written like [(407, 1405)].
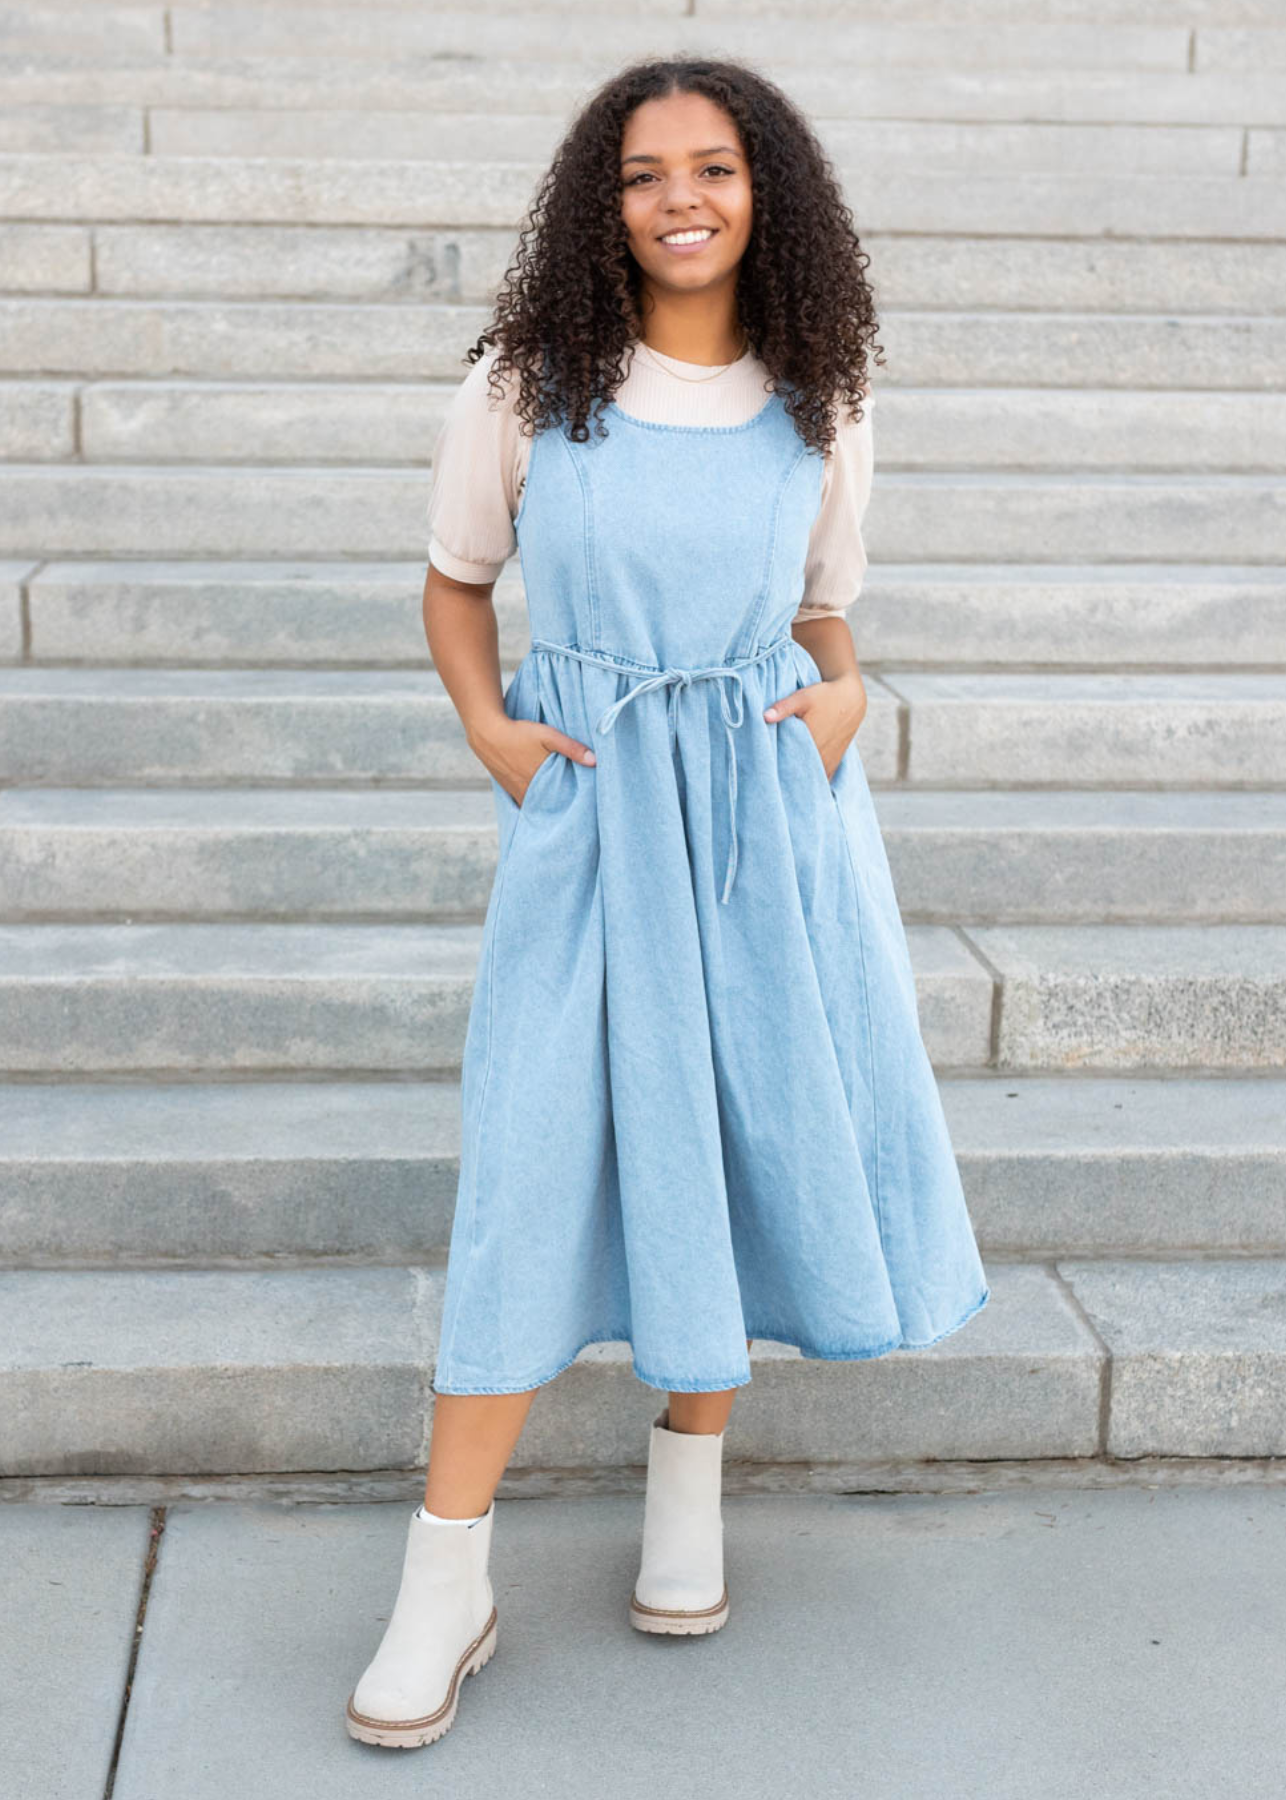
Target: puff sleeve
[(479, 466), (836, 560)]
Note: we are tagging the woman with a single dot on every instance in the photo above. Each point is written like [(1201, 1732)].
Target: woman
[(696, 1104)]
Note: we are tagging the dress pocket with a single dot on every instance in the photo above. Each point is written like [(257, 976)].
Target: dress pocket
[(506, 799), (536, 774), (810, 745)]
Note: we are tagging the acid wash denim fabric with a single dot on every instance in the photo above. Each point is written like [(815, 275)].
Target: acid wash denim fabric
[(696, 1105)]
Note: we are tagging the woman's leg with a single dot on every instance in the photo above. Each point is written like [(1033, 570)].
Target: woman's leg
[(443, 1623), (680, 1586), (473, 1438), (702, 1412)]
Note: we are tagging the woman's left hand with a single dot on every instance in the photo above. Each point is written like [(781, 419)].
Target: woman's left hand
[(832, 710)]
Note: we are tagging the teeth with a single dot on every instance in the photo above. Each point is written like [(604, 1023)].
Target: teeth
[(686, 237)]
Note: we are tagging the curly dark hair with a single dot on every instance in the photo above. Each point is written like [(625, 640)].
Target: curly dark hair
[(569, 302)]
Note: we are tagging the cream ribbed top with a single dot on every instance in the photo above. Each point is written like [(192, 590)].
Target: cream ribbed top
[(480, 466)]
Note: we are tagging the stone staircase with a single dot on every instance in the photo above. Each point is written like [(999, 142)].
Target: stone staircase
[(245, 852)]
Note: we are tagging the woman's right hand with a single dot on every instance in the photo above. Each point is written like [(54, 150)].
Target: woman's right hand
[(513, 749)]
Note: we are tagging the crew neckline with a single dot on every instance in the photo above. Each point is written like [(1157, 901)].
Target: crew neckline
[(682, 363), (756, 418)]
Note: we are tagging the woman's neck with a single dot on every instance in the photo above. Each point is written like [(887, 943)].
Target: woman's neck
[(710, 335)]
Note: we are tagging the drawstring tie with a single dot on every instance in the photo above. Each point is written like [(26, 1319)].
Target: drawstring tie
[(676, 680)]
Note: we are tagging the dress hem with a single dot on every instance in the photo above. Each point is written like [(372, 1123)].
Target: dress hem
[(699, 1385)]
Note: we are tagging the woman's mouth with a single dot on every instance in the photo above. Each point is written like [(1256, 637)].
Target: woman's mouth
[(688, 242)]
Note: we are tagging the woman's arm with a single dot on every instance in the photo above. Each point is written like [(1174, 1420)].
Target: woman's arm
[(464, 642), (835, 706)]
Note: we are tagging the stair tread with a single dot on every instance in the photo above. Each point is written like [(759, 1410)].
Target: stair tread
[(991, 1114), (1041, 812)]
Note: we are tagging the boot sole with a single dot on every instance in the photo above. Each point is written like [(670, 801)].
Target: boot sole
[(677, 1622), (409, 1734)]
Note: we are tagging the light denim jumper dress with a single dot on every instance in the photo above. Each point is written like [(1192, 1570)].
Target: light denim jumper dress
[(695, 1103)]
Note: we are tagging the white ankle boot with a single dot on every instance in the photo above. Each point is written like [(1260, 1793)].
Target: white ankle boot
[(442, 1628), (680, 1586)]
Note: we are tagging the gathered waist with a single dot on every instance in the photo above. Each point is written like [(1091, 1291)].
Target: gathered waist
[(678, 674), (677, 678)]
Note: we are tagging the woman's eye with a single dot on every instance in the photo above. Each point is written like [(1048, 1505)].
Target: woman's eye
[(645, 176)]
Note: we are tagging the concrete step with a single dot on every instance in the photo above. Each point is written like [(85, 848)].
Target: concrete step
[(268, 726), (285, 341), (501, 85), (1093, 729), (424, 267), (90, 129), (212, 1371), (388, 998), (1107, 616), (229, 1174), (39, 420), (1137, 996), (265, 998), (337, 31), (911, 614), (13, 602), (316, 422), (1041, 44), (440, 136), (157, 725), (332, 31), (958, 857), (131, 854), (1230, 51), (1059, 43), (103, 727), (1065, 857), (1192, 13), (297, 191), (325, 513), (264, 613), (889, 145)]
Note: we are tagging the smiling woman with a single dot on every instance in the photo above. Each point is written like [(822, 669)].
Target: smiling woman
[(696, 1107), (681, 204)]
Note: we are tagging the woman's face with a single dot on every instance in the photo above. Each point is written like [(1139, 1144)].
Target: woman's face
[(683, 169)]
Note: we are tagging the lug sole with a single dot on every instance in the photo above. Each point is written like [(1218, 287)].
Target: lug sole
[(676, 1621), (409, 1734)]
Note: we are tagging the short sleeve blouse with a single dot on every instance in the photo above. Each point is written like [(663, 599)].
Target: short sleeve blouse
[(480, 466)]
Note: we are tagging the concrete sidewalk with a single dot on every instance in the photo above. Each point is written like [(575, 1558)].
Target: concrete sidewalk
[(1044, 1644)]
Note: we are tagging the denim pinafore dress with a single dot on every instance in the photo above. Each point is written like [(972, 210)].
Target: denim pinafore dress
[(696, 1106)]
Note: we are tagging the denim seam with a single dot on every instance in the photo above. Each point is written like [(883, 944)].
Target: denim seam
[(688, 1384), (610, 1336), (770, 549), (964, 1318), (898, 1343), (866, 1010), (491, 1042), (717, 1384), (588, 537), (491, 992)]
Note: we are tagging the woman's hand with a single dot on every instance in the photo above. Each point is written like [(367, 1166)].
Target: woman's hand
[(832, 710), (513, 749)]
